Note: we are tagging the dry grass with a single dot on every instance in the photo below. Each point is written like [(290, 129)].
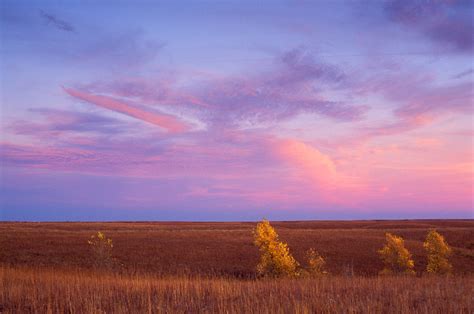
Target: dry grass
[(195, 268), (43, 291), (226, 248)]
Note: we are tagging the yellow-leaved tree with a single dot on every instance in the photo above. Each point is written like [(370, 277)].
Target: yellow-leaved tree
[(396, 258), (102, 249), (275, 257), (316, 263), (438, 252)]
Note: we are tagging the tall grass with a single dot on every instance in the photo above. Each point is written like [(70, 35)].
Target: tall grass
[(25, 290)]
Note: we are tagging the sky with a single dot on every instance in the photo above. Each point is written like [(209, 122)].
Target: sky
[(236, 110)]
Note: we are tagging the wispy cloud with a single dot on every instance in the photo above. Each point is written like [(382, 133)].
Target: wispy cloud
[(166, 121), (56, 22), (55, 121), (464, 73), (447, 23), (295, 83)]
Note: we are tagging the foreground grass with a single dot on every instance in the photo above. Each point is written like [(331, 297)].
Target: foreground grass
[(39, 291)]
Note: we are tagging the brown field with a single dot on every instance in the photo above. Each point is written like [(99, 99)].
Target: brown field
[(210, 267), (226, 248)]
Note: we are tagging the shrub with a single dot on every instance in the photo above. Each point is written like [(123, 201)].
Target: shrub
[(102, 249), (438, 252), (396, 257), (275, 257), (316, 263)]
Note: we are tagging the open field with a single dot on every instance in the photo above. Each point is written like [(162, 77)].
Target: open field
[(210, 268), (226, 248), (48, 291)]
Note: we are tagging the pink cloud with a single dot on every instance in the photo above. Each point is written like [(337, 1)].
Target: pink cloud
[(321, 171), (168, 122), (310, 159)]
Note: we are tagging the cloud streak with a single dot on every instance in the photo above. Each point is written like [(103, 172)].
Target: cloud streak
[(165, 121), (56, 22)]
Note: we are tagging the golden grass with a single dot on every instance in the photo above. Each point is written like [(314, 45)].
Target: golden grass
[(28, 290)]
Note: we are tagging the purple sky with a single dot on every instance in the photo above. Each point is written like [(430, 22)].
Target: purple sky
[(236, 110)]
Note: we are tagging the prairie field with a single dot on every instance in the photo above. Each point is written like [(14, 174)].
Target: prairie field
[(180, 267), (226, 248)]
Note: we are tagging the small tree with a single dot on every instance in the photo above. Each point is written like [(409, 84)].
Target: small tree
[(438, 252), (102, 248), (396, 257), (316, 263), (275, 257)]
